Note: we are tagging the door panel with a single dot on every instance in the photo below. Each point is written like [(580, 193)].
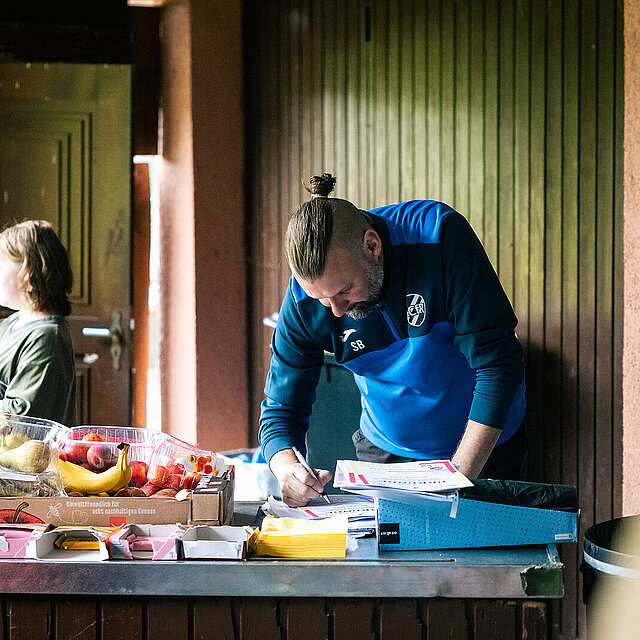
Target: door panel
[(65, 157)]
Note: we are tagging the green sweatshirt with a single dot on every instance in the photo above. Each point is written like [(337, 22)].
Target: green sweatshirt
[(37, 366)]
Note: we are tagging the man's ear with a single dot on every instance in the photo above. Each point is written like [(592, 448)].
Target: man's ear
[(372, 244)]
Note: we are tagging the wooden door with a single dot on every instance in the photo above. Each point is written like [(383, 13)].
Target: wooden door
[(65, 157)]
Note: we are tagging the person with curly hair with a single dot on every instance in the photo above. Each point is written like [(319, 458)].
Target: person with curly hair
[(37, 368)]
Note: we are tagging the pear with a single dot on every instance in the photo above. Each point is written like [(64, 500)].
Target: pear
[(14, 439), (33, 456)]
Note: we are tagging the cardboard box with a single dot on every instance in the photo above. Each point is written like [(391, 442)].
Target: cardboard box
[(145, 542), (44, 546), (213, 506), (211, 543), (15, 538), (440, 524)]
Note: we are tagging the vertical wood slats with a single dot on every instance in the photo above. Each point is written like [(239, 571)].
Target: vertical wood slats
[(91, 617), (512, 112)]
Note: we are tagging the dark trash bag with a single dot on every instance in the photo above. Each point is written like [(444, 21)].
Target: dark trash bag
[(610, 557), (561, 497)]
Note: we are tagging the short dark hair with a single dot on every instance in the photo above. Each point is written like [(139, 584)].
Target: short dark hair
[(44, 265), (321, 224)]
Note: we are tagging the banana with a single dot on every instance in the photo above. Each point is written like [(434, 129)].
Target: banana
[(77, 478)]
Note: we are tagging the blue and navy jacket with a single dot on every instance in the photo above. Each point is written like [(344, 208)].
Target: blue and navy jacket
[(439, 348)]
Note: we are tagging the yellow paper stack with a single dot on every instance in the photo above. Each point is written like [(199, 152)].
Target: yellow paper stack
[(293, 538)]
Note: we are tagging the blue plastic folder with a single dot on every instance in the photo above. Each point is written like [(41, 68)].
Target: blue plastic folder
[(446, 524)]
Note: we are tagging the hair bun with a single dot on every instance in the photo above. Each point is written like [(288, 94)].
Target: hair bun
[(321, 185)]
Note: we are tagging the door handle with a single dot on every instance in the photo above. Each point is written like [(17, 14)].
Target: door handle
[(114, 332)]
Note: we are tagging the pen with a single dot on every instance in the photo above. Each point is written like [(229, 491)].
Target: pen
[(305, 464)]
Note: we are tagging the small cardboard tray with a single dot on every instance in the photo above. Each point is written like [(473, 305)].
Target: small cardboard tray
[(145, 542), (216, 543), (44, 546), (15, 538)]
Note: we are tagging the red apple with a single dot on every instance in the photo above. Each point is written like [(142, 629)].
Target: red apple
[(76, 451), (101, 456), (174, 467), (158, 475), (138, 473), (190, 480), (149, 489), (174, 481)]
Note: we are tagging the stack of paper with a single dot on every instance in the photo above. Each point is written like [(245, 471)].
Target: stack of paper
[(408, 482), (294, 538), (360, 511)]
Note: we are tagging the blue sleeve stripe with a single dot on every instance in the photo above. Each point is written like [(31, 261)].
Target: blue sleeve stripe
[(413, 222)]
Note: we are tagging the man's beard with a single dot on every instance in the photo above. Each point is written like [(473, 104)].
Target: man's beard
[(375, 278)]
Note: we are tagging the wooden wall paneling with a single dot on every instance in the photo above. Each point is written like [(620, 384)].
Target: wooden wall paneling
[(258, 618), (292, 46), (348, 619), (552, 255), (305, 618), (587, 261), (420, 115), (328, 95), (444, 618), (283, 129), (605, 132), (521, 166), (399, 616), (168, 618), (355, 104), (587, 185), (533, 619), (496, 102), (406, 112), (618, 258), (504, 220), (462, 108), (448, 64), (488, 233), (212, 619), (494, 619), (28, 618), (75, 618), (379, 22), (120, 619), (315, 45), (339, 110), (394, 96), (475, 211), (307, 140), (535, 312), (434, 36), (567, 611)]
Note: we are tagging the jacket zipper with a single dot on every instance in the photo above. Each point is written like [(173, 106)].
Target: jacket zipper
[(390, 324)]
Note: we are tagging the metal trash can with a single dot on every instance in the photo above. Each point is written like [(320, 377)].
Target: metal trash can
[(610, 566)]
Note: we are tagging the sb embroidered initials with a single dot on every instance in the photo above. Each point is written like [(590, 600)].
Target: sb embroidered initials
[(357, 345)]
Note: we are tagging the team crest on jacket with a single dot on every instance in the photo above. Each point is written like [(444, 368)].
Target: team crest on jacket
[(416, 309)]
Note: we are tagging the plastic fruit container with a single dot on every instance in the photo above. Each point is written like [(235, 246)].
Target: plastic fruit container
[(176, 464), (16, 431), (95, 448)]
